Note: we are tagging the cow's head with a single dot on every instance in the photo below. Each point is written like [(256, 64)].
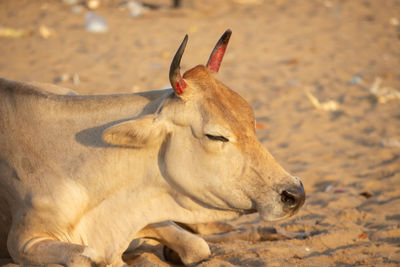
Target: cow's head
[(208, 149)]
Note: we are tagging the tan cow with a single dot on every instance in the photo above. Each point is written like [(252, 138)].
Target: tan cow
[(83, 176)]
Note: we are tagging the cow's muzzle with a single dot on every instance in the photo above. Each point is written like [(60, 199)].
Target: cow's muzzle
[(293, 198)]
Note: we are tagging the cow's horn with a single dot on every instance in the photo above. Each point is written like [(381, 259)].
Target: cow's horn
[(218, 53), (175, 77)]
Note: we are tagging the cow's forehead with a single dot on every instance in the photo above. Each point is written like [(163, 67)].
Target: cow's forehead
[(221, 102)]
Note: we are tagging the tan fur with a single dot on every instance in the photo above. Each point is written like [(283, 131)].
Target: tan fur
[(83, 176), (223, 102)]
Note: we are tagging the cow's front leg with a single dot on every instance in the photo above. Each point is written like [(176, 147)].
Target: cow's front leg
[(190, 248), (40, 251), (33, 248)]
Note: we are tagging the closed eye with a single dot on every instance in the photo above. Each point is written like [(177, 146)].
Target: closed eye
[(217, 138)]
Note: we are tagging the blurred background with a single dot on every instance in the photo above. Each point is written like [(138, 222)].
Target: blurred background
[(323, 77)]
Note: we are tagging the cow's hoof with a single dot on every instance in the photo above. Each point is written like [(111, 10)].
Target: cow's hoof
[(171, 256), (194, 252), (84, 261)]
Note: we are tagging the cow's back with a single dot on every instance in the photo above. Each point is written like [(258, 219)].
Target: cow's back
[(16, 118), (49, 143), (14, 106)]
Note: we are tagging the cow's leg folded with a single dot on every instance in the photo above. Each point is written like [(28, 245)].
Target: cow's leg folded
[(42, 250), (190, 248)]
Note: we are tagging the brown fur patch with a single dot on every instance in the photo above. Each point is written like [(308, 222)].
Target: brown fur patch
[(223, 102)]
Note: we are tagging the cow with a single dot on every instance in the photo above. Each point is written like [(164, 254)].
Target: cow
[(82, 177)]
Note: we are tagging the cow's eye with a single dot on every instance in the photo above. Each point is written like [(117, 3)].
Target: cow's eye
[(217, 138)]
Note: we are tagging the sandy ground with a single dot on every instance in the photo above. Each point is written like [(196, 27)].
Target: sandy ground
[(348, 157)]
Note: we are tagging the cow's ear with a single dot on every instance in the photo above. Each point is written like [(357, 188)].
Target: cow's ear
[(142, 132)]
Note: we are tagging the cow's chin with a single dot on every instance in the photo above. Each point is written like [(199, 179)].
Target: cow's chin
[(270, 213), (273, 218)]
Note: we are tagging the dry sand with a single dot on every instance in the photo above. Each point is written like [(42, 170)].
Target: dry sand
[(348, 158)]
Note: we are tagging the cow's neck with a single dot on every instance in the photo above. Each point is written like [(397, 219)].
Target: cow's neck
[(100, 108)]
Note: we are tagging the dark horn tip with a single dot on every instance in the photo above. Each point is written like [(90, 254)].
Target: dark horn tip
[(182, 47), (186, 38), (227, 34)]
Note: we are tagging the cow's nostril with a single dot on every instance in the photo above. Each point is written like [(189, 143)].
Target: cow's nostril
[(293, 198), (288, 198)]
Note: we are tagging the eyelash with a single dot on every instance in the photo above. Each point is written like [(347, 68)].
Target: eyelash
[(217, 138)]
